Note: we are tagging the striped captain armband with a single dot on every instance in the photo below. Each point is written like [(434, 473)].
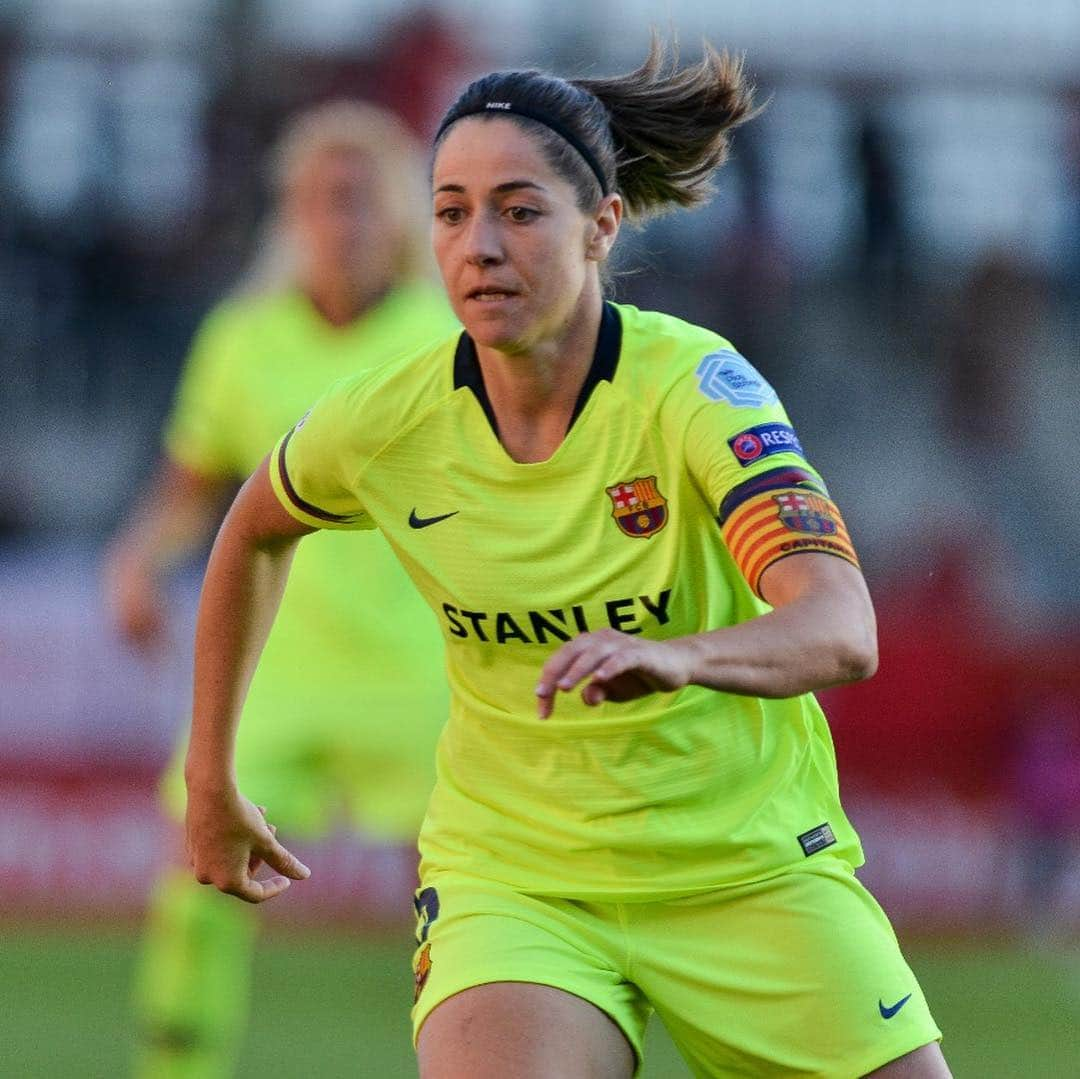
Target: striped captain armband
[(779, 513), (300, 508)]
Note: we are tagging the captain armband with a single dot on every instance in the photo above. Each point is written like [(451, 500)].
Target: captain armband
[(779, 513)]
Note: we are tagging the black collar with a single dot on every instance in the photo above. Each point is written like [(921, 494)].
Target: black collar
[(467, 374)]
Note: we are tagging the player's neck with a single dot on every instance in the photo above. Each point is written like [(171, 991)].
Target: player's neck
[(340, 303), (533, 391)]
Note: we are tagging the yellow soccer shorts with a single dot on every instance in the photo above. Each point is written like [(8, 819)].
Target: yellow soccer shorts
[(799, 974)]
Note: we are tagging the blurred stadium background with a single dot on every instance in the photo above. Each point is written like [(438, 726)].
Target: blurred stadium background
[(896, 242)]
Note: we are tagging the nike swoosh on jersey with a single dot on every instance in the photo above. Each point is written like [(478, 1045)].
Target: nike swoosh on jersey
[(888, 1013), (423, 522)]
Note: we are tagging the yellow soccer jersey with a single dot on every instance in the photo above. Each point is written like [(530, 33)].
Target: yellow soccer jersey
[(674, 434), (354, 661)]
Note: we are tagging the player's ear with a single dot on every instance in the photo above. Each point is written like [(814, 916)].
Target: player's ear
[(604, 228)]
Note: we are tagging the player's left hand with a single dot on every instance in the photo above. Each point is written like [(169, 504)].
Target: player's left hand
[(615, 667)]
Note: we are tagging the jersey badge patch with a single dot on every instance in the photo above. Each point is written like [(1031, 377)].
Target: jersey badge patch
[(727, 376), (421, 971), (806, 513), (763, 441), (426, 904), (816, 839), (638, 507)]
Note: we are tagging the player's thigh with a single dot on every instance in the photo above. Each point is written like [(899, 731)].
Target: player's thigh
[(797, 975), (518, 1030), (555, 958), (926, 1062)]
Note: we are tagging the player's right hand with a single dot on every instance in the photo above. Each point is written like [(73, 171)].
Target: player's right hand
[(228, 839), (134, 598)]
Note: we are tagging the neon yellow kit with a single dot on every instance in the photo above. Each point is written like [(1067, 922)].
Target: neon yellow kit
[(609, 851), (354, 663), (662, 796)]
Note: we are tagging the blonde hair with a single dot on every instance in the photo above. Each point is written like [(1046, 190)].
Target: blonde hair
[(400, 169)]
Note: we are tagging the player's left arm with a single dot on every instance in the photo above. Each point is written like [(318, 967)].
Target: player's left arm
[(788, 540), (821, 632)]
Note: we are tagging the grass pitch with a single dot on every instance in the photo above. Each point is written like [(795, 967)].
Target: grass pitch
[(337, 1006)]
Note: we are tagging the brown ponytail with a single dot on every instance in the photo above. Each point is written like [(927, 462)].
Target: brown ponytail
[(670, 124), (655, 135)]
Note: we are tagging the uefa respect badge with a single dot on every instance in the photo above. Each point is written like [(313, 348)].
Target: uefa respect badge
[(763, 441)]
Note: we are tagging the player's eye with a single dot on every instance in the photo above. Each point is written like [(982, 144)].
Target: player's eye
[(450, 215), (521, 214)]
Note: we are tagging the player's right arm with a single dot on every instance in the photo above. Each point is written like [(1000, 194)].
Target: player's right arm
[(299, 488), (168, 526), (227, 836), (183, 503)]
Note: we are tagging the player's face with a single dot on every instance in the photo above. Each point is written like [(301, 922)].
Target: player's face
[(516, 253), (339, 216)]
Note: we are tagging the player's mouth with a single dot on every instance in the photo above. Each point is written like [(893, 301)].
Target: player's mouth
[(488, 294)]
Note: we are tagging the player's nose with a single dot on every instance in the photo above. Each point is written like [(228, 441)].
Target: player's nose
[(483, 244)]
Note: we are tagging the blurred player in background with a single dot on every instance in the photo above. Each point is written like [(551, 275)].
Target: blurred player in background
[(343, 712), (609, 507)]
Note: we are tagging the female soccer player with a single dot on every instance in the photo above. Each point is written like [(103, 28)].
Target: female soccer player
[(343, 713), (603, 500)]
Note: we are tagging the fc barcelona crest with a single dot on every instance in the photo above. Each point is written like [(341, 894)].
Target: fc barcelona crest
[(638, 507), (806, 513)]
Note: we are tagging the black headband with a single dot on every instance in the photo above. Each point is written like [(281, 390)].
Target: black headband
[(541, 118)]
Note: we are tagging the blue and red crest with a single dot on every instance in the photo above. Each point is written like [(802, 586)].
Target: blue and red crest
[(806, 513), (426, 903), (763, 441), (638, 506)]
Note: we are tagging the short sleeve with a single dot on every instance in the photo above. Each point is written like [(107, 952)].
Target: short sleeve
[(197, 431), (746, 459), (313, 467)]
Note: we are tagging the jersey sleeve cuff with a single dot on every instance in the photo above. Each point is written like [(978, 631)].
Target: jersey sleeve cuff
[(298, 507)]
